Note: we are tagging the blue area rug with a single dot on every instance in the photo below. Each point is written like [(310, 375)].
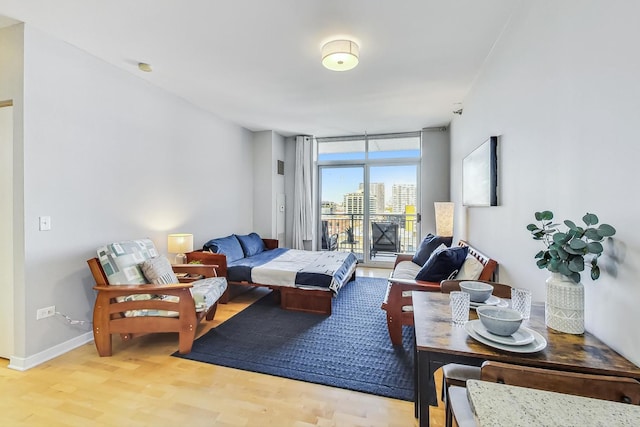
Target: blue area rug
[(349, 349)]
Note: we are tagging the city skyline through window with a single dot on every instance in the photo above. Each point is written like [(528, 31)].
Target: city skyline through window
[(369, 184)]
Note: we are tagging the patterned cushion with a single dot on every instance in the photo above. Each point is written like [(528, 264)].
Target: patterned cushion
[(252, 244), (205, 293), (121, 261), (229, 246), (471, 269), (158, 271)]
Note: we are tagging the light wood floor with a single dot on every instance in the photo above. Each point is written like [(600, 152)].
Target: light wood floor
[(142, 385)]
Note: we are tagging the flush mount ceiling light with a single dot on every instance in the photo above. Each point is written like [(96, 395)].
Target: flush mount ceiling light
[(340, 55)]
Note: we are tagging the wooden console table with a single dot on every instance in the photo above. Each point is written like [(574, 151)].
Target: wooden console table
[(438, 342)]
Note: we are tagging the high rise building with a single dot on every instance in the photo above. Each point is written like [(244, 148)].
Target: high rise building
[(401, 196), (328, 208), (376, 190), (354, 203)]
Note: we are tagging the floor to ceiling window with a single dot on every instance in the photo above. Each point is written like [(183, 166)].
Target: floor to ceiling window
[(368, 195)]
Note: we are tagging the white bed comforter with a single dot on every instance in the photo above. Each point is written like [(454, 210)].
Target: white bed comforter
[(282, 270)]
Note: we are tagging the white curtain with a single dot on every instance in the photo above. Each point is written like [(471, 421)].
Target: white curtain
[(302, 213)]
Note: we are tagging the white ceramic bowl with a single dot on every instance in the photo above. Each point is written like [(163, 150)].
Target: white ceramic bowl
[(499, 320), (478, 291)]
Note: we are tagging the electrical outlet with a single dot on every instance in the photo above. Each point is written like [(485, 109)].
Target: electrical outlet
[(45, 223), (45, 312)]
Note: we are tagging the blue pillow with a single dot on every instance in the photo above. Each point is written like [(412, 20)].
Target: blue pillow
[(428, 245), (442, 264), (251, 244), (229, 246)]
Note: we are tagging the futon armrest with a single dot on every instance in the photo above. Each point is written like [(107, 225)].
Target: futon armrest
[(402, 257), (207, 270), (142, 289), (403, 281), (397, 288)]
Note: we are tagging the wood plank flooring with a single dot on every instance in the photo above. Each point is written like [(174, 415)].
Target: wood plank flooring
[(142, 385)]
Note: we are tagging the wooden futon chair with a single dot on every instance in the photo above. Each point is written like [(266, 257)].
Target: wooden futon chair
[(139, 293), (398, 303)]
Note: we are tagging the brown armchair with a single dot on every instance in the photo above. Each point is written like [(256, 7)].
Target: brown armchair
[(398, 303), (127, 304)]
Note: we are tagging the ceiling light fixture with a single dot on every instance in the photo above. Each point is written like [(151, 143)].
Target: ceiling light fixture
[(144, 67), (340, 55)]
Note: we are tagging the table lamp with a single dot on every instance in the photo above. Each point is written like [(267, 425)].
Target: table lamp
[(179, 244), (444, 219)]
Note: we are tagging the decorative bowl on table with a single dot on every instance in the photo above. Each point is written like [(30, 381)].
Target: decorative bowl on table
[(478, 291), (499, 320)]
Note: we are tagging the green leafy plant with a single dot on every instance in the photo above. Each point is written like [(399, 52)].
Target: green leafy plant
[(568, 251)]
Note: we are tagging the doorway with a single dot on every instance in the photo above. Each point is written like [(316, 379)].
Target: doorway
[(6, 231)]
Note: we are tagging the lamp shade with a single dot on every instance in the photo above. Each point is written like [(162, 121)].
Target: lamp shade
[(444, 218), (340, 55), (180, 243)]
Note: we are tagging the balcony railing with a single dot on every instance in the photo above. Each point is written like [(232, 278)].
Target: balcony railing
[(349, 229)]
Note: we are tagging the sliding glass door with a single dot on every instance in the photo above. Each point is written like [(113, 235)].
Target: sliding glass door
[(342, 209), (368, 196), (392, 213)]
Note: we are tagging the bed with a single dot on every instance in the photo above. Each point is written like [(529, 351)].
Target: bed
[(304, 280)]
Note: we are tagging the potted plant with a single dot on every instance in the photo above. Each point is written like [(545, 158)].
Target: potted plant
[(568, 251), (566, 255)]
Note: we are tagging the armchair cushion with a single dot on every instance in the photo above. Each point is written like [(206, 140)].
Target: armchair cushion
[(228, 246), (471, 269), (406, 270), (429, 244), (251, 243), (158, 271), (207, 291), (121, 261), (442, 264)]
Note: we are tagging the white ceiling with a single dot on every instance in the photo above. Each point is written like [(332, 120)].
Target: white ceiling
[(257, 62)]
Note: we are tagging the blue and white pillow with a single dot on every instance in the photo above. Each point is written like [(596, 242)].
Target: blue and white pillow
[(427, 247), (443, 264)]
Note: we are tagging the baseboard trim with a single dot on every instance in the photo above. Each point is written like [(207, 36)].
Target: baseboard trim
[(24, 363)]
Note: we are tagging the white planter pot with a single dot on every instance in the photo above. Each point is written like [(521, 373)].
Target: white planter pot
[(564, 306)]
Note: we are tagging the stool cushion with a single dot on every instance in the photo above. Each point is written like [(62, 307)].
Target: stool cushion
[(460, 373)]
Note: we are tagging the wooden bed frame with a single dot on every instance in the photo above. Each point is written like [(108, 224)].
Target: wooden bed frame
[(295, 299)]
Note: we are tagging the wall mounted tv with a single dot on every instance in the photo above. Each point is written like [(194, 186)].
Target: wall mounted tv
[(480, 175)]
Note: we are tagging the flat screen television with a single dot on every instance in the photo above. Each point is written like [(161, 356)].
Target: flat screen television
[(480, 175)]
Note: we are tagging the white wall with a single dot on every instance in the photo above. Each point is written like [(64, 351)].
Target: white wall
[(561, 88), (268, 149), (109, 156), (434, 176), (289, 184)]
